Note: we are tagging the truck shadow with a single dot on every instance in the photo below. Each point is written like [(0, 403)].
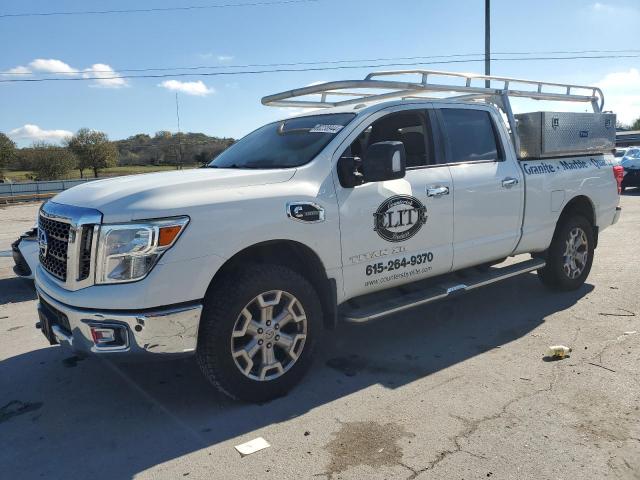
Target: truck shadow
[(16, 289), (122, 420)]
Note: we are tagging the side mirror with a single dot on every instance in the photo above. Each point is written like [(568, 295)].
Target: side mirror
[(384, 161)]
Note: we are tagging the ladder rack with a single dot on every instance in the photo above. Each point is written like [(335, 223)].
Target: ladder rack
[(377, 89)]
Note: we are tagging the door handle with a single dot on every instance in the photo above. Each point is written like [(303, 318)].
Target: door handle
[(437, 191), (509, 182)]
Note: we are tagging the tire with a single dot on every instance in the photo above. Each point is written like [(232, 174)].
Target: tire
[(561, 273), (235, 318)]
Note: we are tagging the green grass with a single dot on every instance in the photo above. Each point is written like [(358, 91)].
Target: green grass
[(26, 175)]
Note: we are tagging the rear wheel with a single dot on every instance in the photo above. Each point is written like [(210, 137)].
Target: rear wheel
[(570, 255), (258, 332)]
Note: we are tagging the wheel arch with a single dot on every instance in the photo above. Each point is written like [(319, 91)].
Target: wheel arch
[(580, 205), (294, 255)]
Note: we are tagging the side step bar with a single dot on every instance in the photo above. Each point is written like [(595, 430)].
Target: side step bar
[(372, 306)]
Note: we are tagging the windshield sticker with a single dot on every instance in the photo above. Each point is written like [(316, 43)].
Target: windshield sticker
[(326, 128)]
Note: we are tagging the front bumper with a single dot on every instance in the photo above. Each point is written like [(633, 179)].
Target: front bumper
[(21, 267), (25, 256), (163, 332), (631, 177)]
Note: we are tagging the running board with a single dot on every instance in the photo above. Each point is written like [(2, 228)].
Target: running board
[(380, 304)]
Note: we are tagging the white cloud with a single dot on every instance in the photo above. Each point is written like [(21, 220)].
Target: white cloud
[(621, 12), (35, 133), (219, 57), (51, 65), (104, 76), (190, 88), (19, 70), (622, 94)]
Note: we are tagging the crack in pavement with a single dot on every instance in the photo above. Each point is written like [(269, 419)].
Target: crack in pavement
[(472, 427)]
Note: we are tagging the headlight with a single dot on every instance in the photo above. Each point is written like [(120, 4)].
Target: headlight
[(129, 251)]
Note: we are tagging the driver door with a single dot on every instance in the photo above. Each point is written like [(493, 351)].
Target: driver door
[(397, 231)]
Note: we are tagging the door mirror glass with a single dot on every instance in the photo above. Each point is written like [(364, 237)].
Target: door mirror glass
[(384, 161)]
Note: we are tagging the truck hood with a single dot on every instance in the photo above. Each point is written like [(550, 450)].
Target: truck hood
[(167, 193)]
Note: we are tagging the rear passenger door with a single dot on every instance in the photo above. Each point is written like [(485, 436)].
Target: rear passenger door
[(488, 191)]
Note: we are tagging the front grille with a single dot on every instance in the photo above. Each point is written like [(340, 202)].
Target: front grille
[(67, 240), (55, 316), (85, 253), (55, 257)]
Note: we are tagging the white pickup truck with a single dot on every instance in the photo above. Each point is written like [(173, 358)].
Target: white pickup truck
[(365, 208)]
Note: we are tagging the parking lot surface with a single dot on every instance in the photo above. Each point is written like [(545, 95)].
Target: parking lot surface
[(456, 390)]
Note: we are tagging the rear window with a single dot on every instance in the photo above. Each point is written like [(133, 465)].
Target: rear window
[(470, 135), (288, 143)]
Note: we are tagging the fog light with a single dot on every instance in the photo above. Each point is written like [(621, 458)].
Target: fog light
[(102, 335), (111, 336)]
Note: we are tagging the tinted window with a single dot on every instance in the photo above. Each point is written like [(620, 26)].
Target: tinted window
[(410, 128), (470, 135), (288, 143)]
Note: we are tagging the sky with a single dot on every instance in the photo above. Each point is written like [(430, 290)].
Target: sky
[(89, 46)]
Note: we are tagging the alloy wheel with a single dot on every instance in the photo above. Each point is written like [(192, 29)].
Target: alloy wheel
[(269, 335)]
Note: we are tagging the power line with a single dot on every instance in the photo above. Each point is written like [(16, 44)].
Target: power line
[(311, 69), (320, 62), (156, 9)]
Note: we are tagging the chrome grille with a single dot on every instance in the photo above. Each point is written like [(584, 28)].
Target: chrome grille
[(84, 256), (54, 258), (67, 240)]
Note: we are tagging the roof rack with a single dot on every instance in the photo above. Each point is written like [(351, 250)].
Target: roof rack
[(377, 89)]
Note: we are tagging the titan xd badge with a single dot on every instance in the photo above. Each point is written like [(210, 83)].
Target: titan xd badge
[(399, 218), (308, 212)]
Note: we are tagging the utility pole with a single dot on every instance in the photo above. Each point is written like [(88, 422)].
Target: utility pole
[(487, 41), (179, 150)]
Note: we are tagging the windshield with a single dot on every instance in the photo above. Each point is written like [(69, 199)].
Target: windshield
[(283, 144), (633, 153)]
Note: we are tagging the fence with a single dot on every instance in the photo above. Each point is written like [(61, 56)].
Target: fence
[(9, 190)]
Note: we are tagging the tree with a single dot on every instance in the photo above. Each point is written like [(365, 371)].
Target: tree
[(94, 150), (7, 152), (163, 134), (636, 125), (51, 162)]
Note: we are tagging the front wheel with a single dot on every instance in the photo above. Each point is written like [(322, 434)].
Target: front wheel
[(570, 255), (258, 331)]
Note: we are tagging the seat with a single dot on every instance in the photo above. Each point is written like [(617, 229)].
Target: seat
[(414, 147)]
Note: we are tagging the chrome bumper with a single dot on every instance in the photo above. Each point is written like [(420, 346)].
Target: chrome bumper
[(170, 331), (616, 216)]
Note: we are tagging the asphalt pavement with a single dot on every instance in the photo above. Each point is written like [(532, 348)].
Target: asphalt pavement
[(456, 390)]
